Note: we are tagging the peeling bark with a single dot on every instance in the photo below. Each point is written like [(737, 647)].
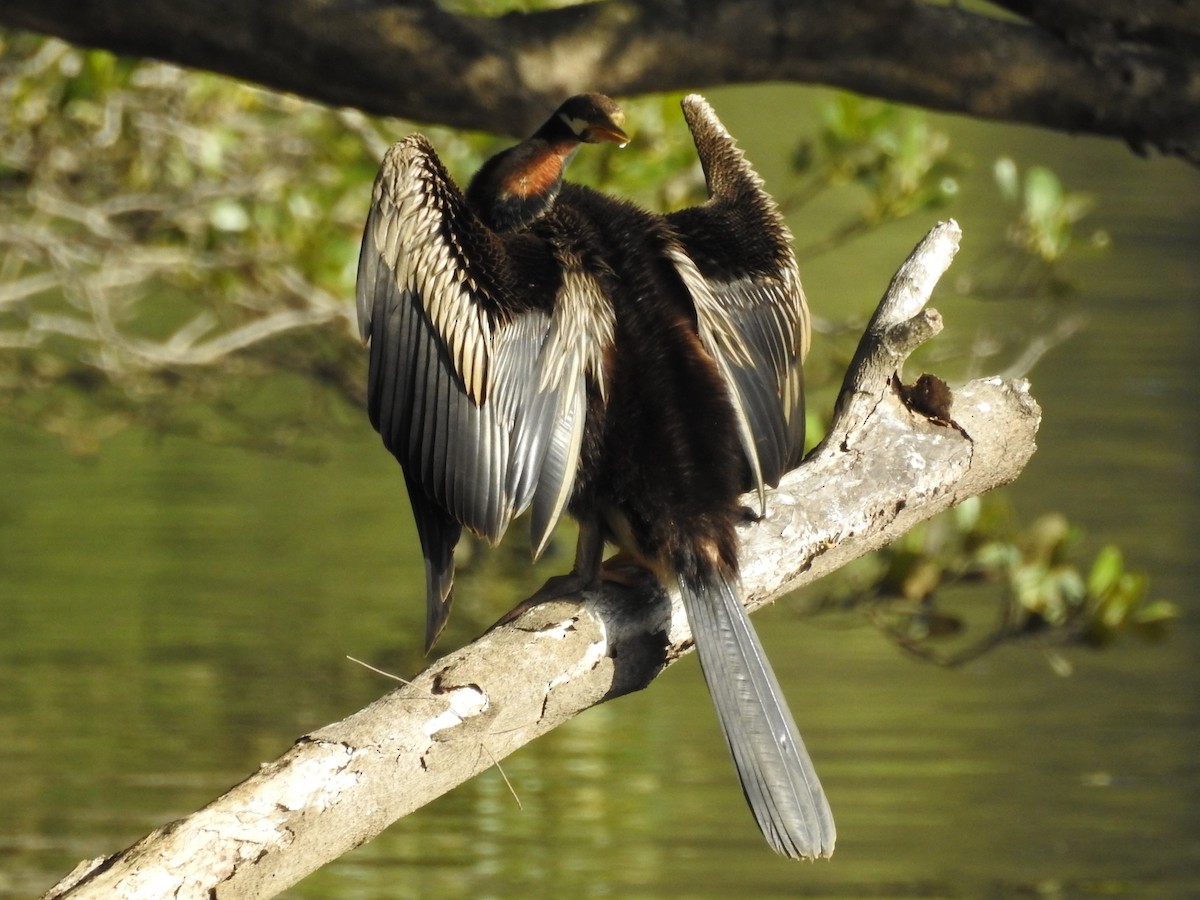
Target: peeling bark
[(882, 469)]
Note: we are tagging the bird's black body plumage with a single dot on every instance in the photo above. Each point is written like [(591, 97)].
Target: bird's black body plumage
[(661, 462), (538, 345), (664, 469)]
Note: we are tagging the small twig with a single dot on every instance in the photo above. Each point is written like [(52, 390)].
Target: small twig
[(500, 769), (378, 671)]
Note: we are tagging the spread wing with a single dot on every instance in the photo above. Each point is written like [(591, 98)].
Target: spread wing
[(481, 345), (738, 263)]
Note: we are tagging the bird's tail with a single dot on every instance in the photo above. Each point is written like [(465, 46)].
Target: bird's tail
[(777, 776)]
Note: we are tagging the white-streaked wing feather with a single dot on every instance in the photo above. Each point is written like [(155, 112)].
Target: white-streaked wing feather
[(476, 391)]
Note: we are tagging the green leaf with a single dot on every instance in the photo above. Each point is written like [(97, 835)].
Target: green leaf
[(1043, 194), (1008, 180), (1106, 571), (1158, 611)]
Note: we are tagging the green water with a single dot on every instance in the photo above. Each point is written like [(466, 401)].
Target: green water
[(172, 614)]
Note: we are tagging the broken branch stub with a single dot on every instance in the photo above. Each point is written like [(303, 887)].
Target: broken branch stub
[(900, 325)]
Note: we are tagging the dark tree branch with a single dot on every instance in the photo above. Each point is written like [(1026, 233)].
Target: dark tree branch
[(1112, 68), (1097, 23), (882, 469)]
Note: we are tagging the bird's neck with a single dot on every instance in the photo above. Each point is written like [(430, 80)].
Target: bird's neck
[(518, 186)]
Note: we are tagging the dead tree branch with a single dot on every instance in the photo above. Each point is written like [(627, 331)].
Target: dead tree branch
[(882, 469)]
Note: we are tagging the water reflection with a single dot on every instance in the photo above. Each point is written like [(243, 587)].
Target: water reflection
[(173, 615)]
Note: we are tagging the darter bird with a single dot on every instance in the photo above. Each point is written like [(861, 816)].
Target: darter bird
[(540, 346)]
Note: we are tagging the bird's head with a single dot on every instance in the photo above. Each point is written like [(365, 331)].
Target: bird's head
[(593, 119), (518, 185)]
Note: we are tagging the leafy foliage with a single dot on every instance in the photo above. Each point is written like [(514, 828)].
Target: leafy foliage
[(170, 238), (899, 162), (926, 587), (1041, 237)]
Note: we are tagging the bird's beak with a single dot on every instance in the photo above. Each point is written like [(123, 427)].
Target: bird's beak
[(609, 131)]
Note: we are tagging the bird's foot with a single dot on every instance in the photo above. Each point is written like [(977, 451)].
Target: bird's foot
[(622, 569), (751, 515), (627, 570)]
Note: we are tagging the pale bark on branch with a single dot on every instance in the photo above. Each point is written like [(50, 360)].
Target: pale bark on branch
[(1112, 68), (882, 469)]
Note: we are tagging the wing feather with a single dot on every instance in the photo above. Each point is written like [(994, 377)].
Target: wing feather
[(752, 312), (581, 329), (481, 348)]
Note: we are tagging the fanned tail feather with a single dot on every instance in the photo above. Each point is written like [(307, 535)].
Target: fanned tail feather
[(777, 775)]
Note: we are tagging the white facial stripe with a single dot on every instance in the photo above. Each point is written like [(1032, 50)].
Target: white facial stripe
[(578, 126)]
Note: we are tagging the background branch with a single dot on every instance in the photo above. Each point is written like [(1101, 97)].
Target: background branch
[(884, 469), (1121, 70)]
